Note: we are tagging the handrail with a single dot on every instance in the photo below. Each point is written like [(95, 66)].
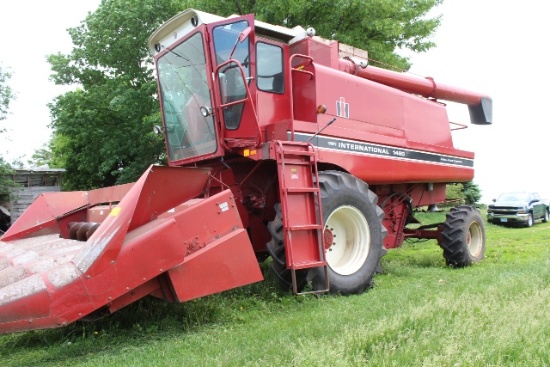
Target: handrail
[(292, 69), (248, 97)]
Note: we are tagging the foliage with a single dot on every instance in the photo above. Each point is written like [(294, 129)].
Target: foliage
[(103, 131), (380, 27), (472, 193), (6, 93), (6, 183), (6, 96), (41, 157), (464, 193)]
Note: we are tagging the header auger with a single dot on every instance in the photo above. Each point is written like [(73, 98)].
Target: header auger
[(282, 147)]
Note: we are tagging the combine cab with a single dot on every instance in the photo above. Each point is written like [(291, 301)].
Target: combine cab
[(283, 147)]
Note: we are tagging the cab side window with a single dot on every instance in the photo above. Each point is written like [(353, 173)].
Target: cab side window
[(269, 73)]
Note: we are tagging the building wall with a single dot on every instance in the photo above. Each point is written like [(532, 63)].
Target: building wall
[(31, 184)]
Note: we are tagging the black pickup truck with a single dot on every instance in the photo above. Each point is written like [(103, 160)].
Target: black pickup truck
[(520, 208)]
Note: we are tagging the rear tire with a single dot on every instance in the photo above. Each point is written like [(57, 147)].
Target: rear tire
[(355, 221), (463, 237), (546, 215)]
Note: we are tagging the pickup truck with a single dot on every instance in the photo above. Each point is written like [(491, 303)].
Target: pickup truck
[(518, 208)]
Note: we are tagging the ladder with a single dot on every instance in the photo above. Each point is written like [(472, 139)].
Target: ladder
[(301, 208)]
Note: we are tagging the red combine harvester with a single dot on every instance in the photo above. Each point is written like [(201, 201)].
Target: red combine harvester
[(282, 147)]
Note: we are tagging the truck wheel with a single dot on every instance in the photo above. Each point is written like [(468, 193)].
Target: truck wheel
[(545, 219), (530, 220), (463, 237), (354, 221)]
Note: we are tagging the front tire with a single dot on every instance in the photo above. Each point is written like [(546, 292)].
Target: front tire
[(463, 237), (530, 221), (276, 248), (351, 214), (354, 222)]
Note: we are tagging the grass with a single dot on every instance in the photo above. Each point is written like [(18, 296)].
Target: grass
[(420, 313)]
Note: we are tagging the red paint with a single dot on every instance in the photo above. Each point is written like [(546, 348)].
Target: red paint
[(179, 233)]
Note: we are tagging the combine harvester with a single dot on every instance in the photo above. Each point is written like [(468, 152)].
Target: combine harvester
[(282, 147)]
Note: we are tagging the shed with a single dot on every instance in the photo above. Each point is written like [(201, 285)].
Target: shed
[(31, 183)]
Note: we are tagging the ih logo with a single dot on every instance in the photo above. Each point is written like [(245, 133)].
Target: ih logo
[(342, 108)]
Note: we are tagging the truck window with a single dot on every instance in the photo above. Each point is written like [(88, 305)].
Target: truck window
[(269, 72)]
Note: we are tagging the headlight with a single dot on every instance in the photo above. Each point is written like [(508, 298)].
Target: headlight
[(522, 210)]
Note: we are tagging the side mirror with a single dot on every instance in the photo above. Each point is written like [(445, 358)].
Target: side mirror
[(157, 129)]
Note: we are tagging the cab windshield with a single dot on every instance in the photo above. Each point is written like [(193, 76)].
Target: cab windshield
[(513, 196), (183, 91)]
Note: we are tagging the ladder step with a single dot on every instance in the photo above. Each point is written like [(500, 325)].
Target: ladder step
[(309, 264), (296, 162), (300, 190), (308, 153), (304, 250), (305, 227)]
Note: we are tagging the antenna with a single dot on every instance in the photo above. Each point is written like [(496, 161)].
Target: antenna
[(317, 133)]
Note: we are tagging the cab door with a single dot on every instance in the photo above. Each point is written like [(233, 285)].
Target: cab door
[(538, 206), (233, 59)]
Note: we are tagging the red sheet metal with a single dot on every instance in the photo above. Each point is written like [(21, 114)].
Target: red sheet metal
[(48, 282), (44, 213), (227, 263), (410, 83)]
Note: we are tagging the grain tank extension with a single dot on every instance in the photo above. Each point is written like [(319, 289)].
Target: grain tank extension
[(283, 147)]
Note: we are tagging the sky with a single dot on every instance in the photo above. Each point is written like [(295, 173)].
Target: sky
[(488, 46), (497, 48), (30, 31)]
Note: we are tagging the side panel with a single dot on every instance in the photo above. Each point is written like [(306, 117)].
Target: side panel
[(382, 135), (385, 164), (362, 106), (227, 263)]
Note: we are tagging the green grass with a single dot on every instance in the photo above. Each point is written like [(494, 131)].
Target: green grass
[(420, 313)]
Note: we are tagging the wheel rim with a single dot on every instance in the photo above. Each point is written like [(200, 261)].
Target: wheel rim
[(351, 240), (475, 239)]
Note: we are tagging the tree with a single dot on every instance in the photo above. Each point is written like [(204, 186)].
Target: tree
[(6, 183), (103, 130), (471, 192), (464, 193), (6, 96), (41, 157), (380, 27)]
